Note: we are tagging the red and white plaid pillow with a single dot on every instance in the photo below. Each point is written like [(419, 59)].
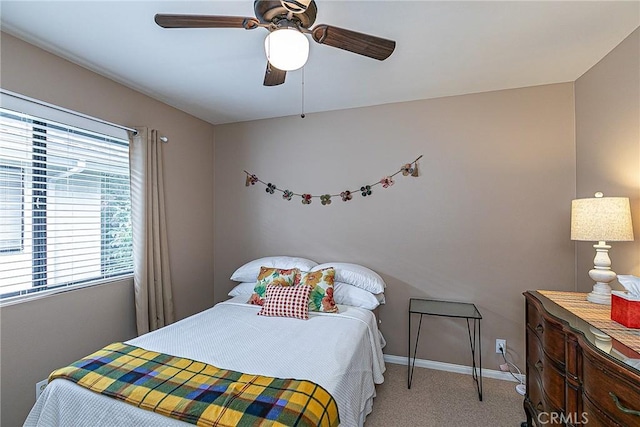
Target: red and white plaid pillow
[(286, 301)]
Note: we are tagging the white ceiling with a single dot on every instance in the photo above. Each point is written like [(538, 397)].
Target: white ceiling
[(443, 48)]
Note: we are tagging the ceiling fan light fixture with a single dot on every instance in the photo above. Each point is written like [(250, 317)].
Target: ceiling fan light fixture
[(287, 49)]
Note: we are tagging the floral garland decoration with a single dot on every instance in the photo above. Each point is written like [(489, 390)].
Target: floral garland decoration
[(408, 169)]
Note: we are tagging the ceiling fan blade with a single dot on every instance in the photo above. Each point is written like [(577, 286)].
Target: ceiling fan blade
[(205, 21), (274, 76), (362, 44)]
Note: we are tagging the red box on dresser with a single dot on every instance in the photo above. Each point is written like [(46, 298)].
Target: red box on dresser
[(625, 309)]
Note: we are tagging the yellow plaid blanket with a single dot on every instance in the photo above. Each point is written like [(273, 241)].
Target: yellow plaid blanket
[(198, 393)]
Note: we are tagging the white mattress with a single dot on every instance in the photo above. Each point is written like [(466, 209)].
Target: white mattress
[(342, 352)]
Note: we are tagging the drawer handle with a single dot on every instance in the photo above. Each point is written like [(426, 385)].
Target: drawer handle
[(539, 366), (540, 329), (622, 408)]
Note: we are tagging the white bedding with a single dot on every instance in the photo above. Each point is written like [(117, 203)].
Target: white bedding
[(342, 352)]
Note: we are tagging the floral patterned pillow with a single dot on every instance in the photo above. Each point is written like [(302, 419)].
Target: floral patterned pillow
[(286, 301), (321, 284), (272, 276)]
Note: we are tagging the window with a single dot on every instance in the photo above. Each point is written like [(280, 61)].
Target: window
[(11, 209), (65, 210)]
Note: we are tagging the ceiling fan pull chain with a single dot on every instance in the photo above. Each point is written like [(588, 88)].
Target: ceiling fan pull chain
[(302, 112)]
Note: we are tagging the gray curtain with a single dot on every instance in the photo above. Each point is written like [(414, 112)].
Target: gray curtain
[(152, 276)]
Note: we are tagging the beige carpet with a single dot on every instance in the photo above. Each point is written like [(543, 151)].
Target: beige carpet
[(439, 398)]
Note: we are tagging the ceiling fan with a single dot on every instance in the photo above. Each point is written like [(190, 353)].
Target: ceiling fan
[(287, 18)]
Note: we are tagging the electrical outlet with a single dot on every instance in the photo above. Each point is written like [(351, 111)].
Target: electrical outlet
[(40, 386), (500, 343)]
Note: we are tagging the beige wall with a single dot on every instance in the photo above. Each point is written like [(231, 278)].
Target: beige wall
[(608, 148), (39, 336), (487, 219)]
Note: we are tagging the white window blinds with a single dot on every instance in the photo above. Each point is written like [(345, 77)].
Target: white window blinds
[(65, 214)]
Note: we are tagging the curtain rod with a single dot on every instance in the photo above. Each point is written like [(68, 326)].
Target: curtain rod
[(75, 113)]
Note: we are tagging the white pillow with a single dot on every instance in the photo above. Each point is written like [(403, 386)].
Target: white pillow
[(244, 288), (346, 294), (249, 272), (356, 275)]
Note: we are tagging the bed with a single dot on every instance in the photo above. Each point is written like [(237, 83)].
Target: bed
[(341, 352)]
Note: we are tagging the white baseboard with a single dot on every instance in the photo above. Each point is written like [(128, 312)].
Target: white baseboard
[(450, 367)]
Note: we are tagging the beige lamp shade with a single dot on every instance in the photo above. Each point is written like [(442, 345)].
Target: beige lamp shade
[(601, 219)]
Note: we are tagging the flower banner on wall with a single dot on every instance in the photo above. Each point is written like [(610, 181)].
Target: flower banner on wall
[(408, 169)]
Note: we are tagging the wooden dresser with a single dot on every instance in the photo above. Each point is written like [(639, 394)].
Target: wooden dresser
[(574, 377)]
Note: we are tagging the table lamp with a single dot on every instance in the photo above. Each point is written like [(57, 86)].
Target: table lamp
[(600, 219)]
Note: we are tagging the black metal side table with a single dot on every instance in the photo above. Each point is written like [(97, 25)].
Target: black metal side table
[(463, 310)]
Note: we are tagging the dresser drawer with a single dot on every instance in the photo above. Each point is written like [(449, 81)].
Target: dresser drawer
[(594, 417), (551, 378), (535, 393), (599, 380), (540, 403), (548, 331)]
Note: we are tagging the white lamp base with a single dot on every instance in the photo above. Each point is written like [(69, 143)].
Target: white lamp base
[(602, 274), (600, 295)]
